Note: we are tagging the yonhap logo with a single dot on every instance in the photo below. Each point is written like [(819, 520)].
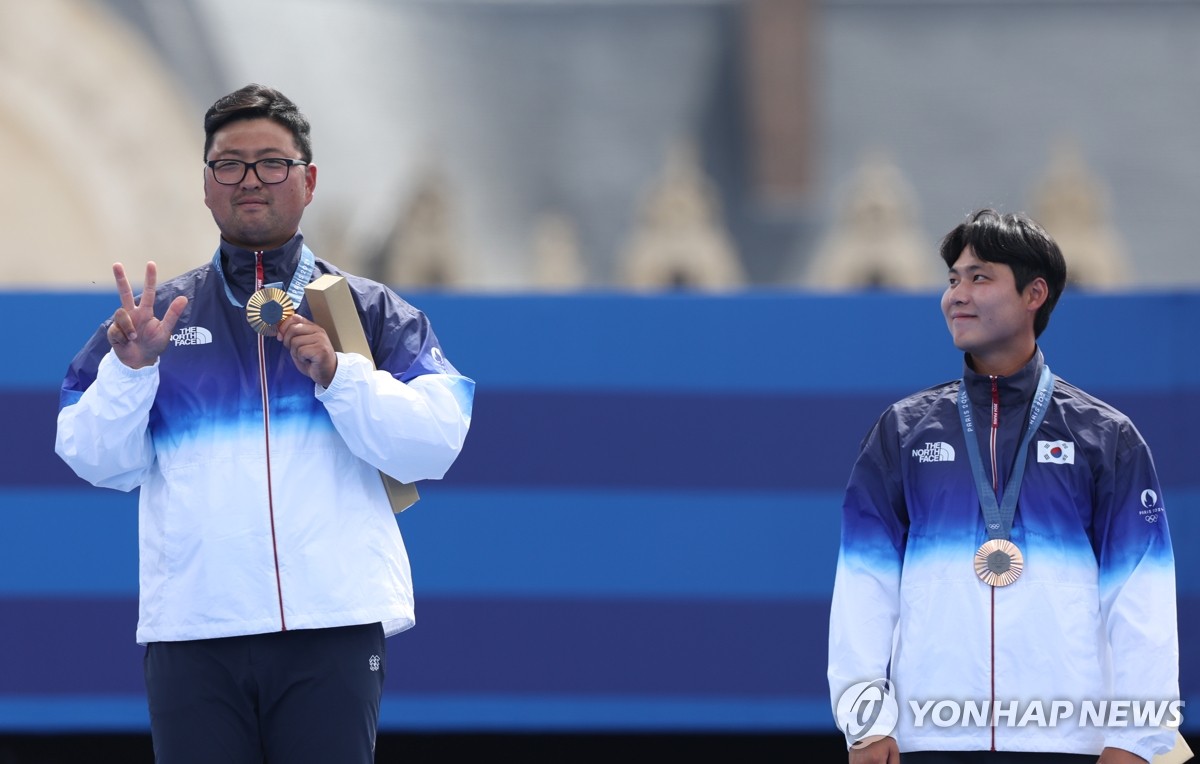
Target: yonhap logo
[(1039, 713), (870, 709), (934, 452)]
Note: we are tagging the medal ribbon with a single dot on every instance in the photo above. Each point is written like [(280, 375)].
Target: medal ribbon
[(999, 519), (295, 290)]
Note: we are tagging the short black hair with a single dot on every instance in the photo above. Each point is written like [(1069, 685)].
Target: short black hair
[(1015, 240), (257, 102)]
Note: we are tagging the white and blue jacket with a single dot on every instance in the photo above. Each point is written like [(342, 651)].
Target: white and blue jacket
[(1092, 617), (261, 506)]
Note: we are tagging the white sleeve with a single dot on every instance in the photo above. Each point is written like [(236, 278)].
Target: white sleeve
[(865, 607), (411, 431), (104, 436)]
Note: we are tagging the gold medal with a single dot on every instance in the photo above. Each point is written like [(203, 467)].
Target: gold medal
[(267, 308), (998, 562)]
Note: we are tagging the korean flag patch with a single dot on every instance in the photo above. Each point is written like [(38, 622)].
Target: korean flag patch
[(1056, 451)]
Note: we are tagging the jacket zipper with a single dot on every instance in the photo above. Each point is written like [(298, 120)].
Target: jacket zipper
[(266, 405), (995, 428)]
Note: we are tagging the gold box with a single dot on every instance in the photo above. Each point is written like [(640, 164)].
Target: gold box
[(332, 307)]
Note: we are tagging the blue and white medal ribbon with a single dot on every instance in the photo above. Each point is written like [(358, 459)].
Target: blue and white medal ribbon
[(998, 561)]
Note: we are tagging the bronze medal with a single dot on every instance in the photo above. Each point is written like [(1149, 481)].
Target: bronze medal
[(998, 562), (267, 308)]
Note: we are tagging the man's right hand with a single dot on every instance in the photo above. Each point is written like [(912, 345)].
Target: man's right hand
[(136, 336), (882, 751)]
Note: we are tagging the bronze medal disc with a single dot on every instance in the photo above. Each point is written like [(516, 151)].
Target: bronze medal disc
[(266, 308), (998, 562)]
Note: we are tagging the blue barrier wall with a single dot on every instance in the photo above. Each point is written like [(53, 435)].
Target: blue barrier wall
[(641, 532)]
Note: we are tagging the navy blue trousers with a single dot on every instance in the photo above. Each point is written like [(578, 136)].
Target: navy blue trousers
[(289, 697)]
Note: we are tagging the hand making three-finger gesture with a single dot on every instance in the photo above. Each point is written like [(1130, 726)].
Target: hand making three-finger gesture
[(136, 336)]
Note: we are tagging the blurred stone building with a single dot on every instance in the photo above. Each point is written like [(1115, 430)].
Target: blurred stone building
[(518, 144)]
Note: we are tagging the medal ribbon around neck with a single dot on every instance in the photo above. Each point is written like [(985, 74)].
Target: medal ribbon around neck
[(998, 561), (268, 306)]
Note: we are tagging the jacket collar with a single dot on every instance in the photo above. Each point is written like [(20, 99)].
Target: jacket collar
[(1016, 389), (278, 266)]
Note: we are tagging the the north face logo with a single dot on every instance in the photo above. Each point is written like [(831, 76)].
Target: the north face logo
[(191, 335), (934, 452)]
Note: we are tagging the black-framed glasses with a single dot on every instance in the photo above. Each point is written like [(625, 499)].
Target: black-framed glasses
[(230, 172)]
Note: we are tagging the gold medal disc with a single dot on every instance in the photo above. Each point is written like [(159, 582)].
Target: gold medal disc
[(267, 308), (998, 562)]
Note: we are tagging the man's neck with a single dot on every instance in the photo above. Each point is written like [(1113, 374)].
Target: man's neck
[(240, 268), (1003, 365)]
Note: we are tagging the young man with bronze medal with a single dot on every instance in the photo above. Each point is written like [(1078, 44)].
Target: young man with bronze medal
[(1005, 577)]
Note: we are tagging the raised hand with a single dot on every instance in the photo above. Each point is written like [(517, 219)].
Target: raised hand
[(136, 335)]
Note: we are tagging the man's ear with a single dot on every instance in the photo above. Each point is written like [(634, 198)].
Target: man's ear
[(1036, 293)]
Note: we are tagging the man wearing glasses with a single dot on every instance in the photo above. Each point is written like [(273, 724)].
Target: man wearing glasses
[(271, 565)]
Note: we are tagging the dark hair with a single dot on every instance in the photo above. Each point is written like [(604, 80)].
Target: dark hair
[(1017, 241), (257, 102)]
